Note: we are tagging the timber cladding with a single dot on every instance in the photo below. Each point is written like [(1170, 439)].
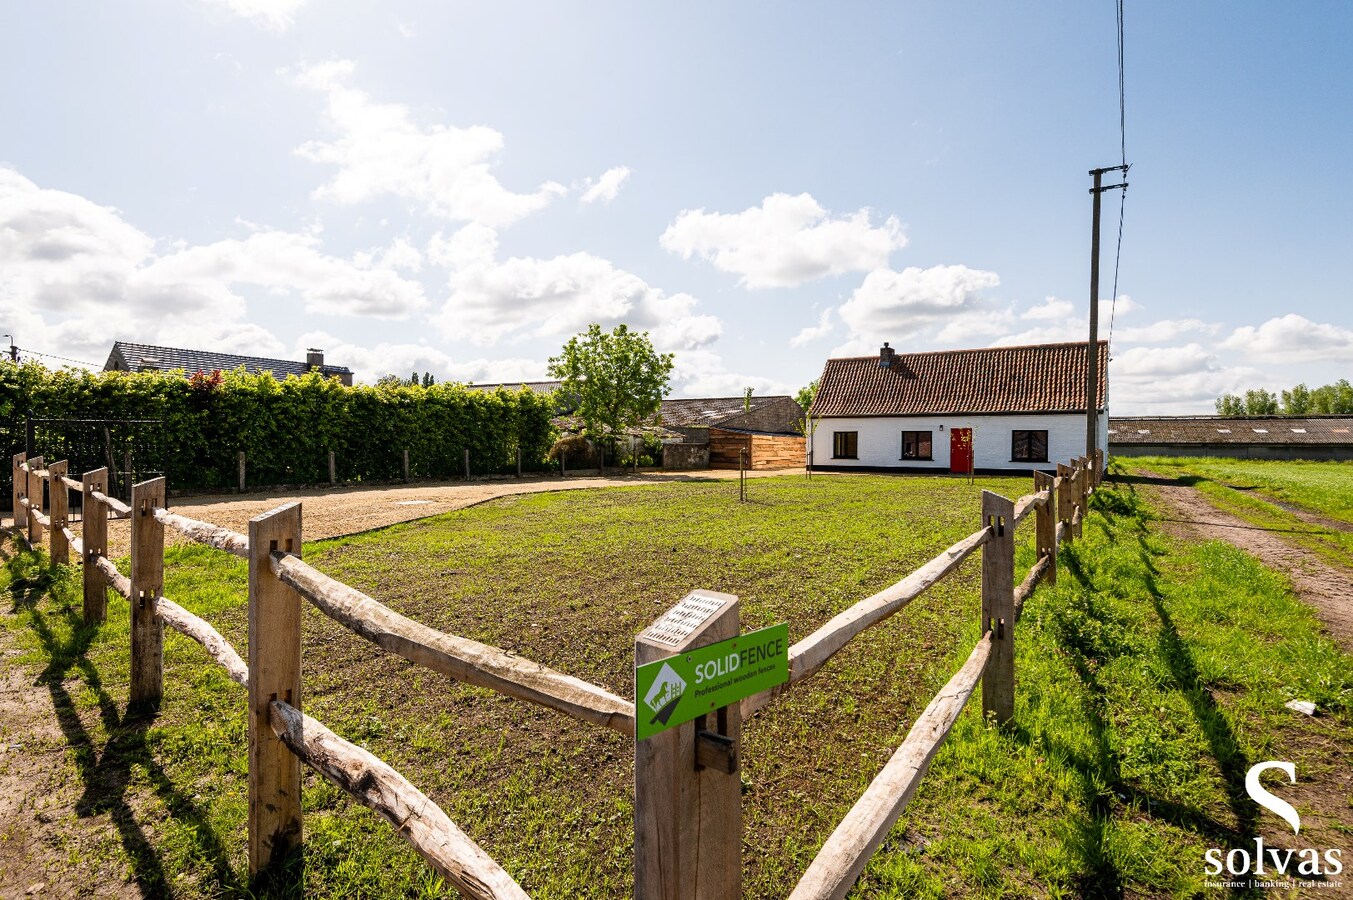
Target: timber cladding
[(764, 451)]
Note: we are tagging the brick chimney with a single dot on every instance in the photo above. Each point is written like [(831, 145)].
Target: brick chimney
[(314, 359), (886, 355)]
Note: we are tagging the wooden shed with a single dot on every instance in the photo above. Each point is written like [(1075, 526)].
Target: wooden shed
[(765, 450)]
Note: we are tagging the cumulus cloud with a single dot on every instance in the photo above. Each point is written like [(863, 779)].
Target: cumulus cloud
[(492, 300), (703, 373), (784, 242), (369, 363), (274, 15), (606, 187), (824, 327), (891, 305), (380, 151), (1050, 308), (1292, 337), (1165, 331), (66, 262), (1173, 380)]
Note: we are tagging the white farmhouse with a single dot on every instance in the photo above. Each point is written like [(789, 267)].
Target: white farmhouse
[(996, 410)]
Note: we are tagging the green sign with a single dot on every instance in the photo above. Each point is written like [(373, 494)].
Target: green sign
[(677, 689)]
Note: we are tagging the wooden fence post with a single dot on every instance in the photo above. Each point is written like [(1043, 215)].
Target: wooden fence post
[(35, 496), (127, 474), (563, 463), (20, 485), (518, 462), (333, 471), (1065, 501), (998, 606), (1045, 523), (60, 547), (241, 471), (274, 674), (406, 465), (147, 685), (95, 540), (467, 463), (687, 817)]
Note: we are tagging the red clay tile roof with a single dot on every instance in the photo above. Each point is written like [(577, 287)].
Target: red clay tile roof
[(1232, 430), (994, 380)]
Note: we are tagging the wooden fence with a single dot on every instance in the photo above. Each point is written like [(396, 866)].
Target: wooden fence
[(687, 809)]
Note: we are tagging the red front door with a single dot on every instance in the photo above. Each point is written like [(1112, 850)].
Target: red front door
[(960, 449)]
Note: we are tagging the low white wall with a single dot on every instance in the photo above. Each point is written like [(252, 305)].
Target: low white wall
[(880, 440)]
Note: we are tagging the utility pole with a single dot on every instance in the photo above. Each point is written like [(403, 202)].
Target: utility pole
[(1092, 348), (13, 350)]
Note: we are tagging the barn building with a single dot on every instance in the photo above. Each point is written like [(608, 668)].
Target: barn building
[(1237, 437), (997, 410)]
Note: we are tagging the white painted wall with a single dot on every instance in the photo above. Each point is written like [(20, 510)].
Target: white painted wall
[(880, 439)]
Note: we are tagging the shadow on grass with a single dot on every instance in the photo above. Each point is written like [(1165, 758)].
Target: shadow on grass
[(106, 772)]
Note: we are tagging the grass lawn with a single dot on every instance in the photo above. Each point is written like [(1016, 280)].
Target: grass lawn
[(1268, 492), (1147, 679)]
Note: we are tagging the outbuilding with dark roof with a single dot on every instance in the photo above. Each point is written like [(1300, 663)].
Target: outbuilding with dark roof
[(990, 410), (1238, 437), (131, 357)]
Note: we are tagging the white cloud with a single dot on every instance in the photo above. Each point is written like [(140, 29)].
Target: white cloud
[(1164, 331), (370, 363), (76, 275), (606, 187), (1292, 338), (1173, 380), (702, 373), (784, 242), (1156, 361), (1050, 308), (892, 305), (494, 300), (274, 15), (380, 151), (824, 327)]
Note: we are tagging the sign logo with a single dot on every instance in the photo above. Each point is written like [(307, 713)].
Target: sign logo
[(665, 694), (1268, 801), (690, 684), (1265, 866)]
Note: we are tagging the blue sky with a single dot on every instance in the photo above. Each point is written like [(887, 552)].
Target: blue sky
[(457, 188)]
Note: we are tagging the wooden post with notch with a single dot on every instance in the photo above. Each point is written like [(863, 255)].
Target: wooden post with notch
[(60, 547), (1045, 523), (20, 485), (687, 780), (147, 685), (998, 606), (274, 674), (95, 540), (35, 495)]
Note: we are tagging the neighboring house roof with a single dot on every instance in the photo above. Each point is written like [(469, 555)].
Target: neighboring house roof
[(1231, 430), (696, 412), (540, 387), (1040, 378), (148, 357)]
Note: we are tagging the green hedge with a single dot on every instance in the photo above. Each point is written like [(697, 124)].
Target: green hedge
[(285, 428)]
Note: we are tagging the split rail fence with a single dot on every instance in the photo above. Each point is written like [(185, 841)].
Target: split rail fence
[(687, 809)]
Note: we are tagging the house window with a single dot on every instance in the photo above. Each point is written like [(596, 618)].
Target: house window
[(845, 445), (916, 445), (1029, 446)]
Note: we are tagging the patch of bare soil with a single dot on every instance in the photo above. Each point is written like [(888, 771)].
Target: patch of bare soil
[(1326, 588)]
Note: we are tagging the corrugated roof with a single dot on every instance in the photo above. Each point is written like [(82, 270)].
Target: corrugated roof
[(539, 387), (993, 380), (144, 357), (1270, 430), (686, 413)]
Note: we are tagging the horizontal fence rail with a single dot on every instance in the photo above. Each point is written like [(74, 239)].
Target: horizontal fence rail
[(687, 810)]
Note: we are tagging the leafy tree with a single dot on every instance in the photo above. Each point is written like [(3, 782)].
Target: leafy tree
[(617, 378), (808, 392), (428, 380), (1230, 405), (1329, 399), (1297, 402), (1260, 402), (1333, 399), (747, 399)]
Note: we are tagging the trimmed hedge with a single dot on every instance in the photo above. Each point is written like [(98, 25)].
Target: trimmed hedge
[(285, 428)]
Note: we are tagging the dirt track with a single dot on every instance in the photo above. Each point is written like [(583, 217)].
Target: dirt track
[(1328, 589)]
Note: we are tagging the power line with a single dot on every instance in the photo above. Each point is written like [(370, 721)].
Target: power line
[(1122, 197), (79, 362), (1118, 254), (1122, 106)]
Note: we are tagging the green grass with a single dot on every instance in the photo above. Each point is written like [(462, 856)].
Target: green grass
[(1147, 658), (1273, 494)]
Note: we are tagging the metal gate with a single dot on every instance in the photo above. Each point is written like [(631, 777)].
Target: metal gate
[(132, 449)]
